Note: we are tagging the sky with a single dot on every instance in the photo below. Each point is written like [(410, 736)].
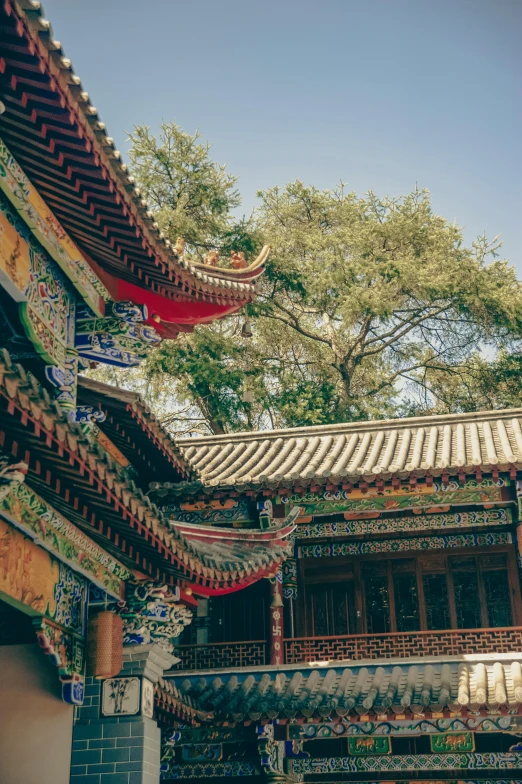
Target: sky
[(382, 94)]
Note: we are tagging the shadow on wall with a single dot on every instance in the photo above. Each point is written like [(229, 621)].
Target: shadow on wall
[(35, 725)]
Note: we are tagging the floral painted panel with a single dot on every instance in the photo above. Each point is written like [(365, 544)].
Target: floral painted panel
[(30, 576), (422, 522), (407, 762), (404, 497), (402, 545)]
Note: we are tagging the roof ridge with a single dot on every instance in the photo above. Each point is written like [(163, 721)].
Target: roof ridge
[(347, 427)]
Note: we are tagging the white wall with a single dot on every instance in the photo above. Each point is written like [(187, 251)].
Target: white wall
[(35, 725)]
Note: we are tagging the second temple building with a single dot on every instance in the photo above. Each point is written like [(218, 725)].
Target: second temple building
[(320, 605)]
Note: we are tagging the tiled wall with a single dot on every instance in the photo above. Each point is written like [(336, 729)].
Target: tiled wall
[(123, 750)]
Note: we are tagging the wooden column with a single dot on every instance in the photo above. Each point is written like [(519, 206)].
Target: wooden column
[(276, 633), (289, 595)]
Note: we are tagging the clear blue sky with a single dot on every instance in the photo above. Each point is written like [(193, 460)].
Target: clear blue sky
[(382, 94)]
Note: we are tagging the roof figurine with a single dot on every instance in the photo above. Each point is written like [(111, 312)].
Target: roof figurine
[(238, 260), (212, 258)]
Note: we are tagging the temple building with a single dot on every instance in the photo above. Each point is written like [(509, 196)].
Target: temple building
[(389, 646), (317, 605)]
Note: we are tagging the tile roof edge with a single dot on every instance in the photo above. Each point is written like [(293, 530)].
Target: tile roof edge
[(344, 427), (485, 658), (135, 399)]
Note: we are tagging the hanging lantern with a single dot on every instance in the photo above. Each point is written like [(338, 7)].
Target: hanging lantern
[(246, 329), (248, 397), (104, 645)]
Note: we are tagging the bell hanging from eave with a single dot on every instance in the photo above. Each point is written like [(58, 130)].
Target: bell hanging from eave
[(246, 329), (247, 397)]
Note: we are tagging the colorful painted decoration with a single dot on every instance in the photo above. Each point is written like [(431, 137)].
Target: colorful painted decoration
[(48, 304), (47, 299), (407, 762), (290, 578), (212, 512), (64, 379), (204, 735), (40, 521), (265, 511), (38, 217), (67, 653), (368, 744), (12, 475), (87, 415), (153, 614), (403, 545), (121, 339), (210, 752), (207, 770), (404, 497), (406, 727), (34, 579), (406, 523), (451, 742)]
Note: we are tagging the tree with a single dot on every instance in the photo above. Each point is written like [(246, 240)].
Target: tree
[(369, 307), (478, 384), (381, 294), (191, 196)]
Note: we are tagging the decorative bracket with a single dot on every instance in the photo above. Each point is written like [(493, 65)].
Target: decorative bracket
[(68, 654), (153, 614)]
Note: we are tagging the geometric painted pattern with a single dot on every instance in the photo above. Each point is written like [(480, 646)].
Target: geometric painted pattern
[(210, 770), (407, 762)]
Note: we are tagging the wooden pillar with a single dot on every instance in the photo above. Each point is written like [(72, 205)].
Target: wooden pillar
[(289, 595), (276, 638)]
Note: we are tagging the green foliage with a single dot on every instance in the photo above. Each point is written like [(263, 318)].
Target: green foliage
[(478, 384), (384, 288), (192, 197), (370, 307)]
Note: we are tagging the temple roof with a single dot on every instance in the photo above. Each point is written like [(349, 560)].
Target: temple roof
[(52, 128), (487, 681), (135, 431), (355, 451), (78, 476)]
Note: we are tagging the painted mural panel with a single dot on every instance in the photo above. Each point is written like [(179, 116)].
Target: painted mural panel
[(48, 304), (48, 231), (33, 578), (400, 545), (59, 535), (387, 499), (214, 511), (14, 254)]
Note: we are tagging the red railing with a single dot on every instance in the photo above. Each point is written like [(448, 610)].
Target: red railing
[(208, 656), (447, 642), (299, 650)]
